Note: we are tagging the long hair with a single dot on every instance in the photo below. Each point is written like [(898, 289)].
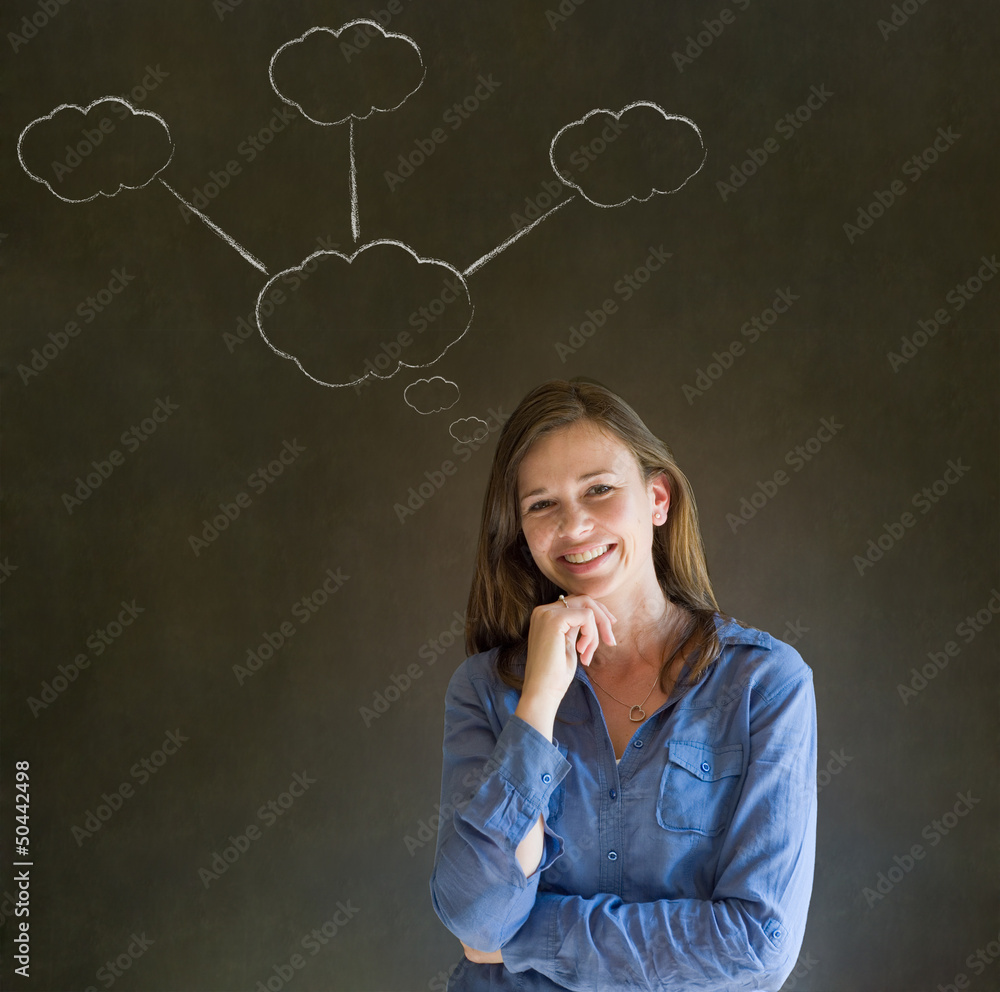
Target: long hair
[(507, 584)]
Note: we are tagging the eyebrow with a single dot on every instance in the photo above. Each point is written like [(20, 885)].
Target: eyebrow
[(582, 478)]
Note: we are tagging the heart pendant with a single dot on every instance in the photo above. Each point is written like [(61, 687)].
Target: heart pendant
[(640, 717)]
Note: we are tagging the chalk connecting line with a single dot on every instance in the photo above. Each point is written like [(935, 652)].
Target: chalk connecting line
[(255, 262), (355, 225), (480, 262)]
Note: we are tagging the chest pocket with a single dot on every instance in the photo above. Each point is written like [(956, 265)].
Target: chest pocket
[(698, 786), (558, 798)]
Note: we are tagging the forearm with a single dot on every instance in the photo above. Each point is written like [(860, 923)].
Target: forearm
[(529, 851), (492, 849), (538, 712), (540, 715), (600, 943)]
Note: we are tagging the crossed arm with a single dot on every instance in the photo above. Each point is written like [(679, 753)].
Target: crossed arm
[(745, 936)]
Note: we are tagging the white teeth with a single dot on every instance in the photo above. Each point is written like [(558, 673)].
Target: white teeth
[(587, 555)]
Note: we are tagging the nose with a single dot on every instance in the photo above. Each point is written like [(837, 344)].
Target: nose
[(573, 519)]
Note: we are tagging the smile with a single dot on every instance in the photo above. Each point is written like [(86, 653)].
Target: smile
[(588, 555)]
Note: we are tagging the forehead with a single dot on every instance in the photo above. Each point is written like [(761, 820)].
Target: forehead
[(576, 449)]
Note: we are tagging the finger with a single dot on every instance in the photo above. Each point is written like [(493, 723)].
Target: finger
[(601, 615), (593, 604), (603, 624), (584, 640), (594, 635)]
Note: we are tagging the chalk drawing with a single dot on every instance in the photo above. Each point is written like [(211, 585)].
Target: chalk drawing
[(385, 307), (321, 64), (480, 262), (256, 263), (612, 152), (97, 138), (323, 326), (469, 429), (432, 395)]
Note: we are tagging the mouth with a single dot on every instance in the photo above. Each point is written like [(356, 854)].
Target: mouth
[(590, 555)]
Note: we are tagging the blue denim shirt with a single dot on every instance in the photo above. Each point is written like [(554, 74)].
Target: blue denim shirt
[(688, 866)]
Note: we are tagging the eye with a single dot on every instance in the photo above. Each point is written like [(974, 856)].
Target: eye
[(602, 486), (541, 504)]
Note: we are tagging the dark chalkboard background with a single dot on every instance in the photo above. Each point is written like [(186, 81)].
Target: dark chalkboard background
[(121, 850)]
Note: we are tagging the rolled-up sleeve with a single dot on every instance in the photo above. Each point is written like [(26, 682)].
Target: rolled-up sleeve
[(747, 936), (495, 782)]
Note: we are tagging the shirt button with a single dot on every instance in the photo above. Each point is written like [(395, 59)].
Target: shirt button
[(612, 855), (637, 744), (777, 934), (705, 766), (613, 794), (546, 778)]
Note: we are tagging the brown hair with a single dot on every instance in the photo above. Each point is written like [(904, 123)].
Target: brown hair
[(507, 585)]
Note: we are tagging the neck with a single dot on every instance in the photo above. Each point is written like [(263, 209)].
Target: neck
[(642, 630)]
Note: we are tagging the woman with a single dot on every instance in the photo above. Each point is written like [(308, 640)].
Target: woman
[(629, 778)]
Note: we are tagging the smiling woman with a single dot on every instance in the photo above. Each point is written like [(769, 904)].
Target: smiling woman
[(666, 839)]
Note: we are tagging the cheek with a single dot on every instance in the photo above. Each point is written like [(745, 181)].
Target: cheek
[(539, 535)]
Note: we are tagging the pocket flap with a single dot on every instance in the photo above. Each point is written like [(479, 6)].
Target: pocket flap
[(707, 763)]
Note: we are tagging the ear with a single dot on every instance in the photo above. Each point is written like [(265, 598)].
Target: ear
[(660, 492), (526, 552)]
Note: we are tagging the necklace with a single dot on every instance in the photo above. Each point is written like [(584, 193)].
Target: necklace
[(632, 709)]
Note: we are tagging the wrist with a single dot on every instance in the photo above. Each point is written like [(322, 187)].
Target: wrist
[(538, 712)]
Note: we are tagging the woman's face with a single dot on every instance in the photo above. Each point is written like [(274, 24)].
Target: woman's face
[(580, 493)]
